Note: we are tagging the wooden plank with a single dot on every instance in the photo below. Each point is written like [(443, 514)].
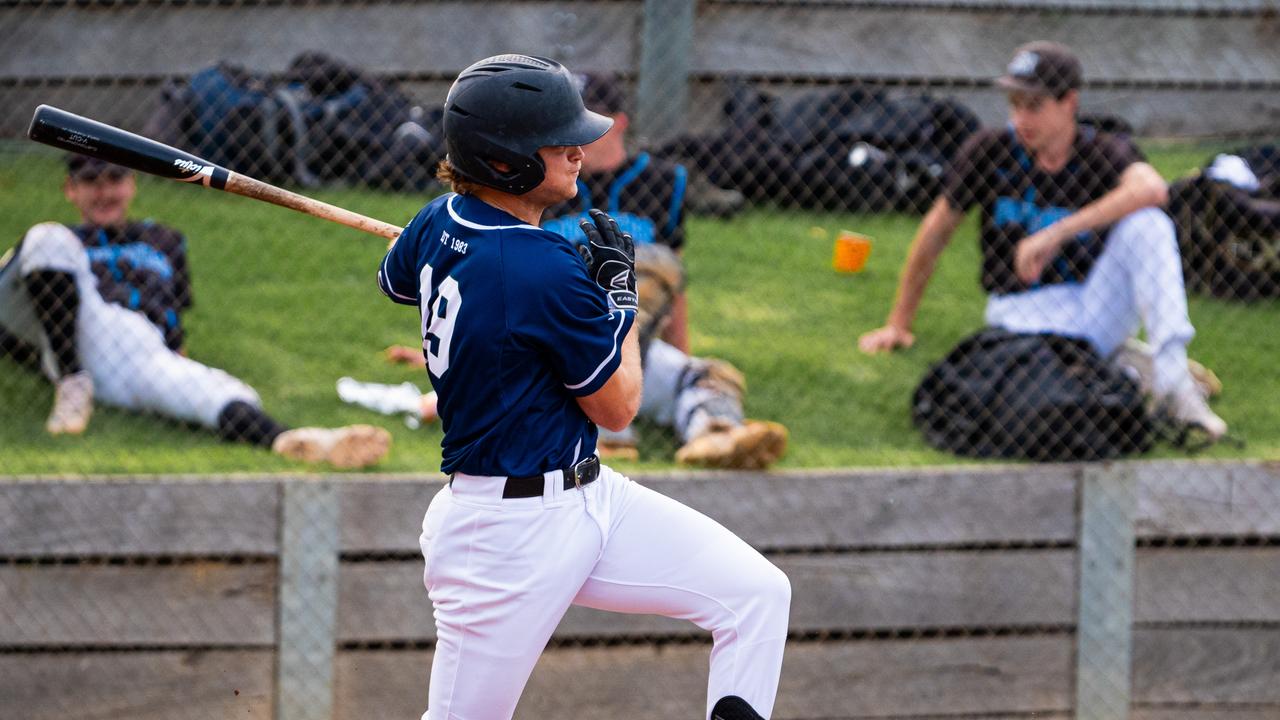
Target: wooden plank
[(857, 592), (1207, 666), (986, 676), (1234, 584), (204, 603), (1106, 6), (886, 42), (372, 35), (806, 510), (848, 509), (666, 54), (1154, 111), (383, 516), (886, 508), (1209, 712), (823, 40), (216, 604), (1208, 499), (47, 519), (137, 685)]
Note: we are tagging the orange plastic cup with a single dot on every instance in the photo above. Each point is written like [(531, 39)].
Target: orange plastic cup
[(851, 252)]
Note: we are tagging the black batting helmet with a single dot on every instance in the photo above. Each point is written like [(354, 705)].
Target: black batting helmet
[(503, 109)]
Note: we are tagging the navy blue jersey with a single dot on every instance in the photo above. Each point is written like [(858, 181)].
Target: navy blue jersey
[(513, 331), (645, 196)]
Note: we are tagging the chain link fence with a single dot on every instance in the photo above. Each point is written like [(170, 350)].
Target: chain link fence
[(788, 142), (874, 235)]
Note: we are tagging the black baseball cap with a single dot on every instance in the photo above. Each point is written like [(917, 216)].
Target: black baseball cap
[(1044, 68), (85, 168), (601, 92)]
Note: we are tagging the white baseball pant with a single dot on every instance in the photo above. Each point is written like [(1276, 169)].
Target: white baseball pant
[(667, 402), (1136, 280), (122, 351), (501, 573)]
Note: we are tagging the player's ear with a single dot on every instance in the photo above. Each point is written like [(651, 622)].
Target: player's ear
[(621, 122), (1072, 98)]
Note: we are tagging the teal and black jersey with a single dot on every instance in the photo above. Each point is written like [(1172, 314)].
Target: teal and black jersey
[(646, 197), (994, 171), (142, 266), (513, 331)]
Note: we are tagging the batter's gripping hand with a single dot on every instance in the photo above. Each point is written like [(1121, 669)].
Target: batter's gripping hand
[(610, 255)]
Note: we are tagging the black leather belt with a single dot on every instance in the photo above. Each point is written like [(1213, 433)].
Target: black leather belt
[(583, 473)]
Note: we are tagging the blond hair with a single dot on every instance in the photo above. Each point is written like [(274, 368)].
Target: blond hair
[(449, 175)]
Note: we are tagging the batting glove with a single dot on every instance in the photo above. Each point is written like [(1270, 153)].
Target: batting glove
[(611, 260)]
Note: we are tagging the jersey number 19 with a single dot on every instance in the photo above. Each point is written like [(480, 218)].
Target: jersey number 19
[(438, 319)]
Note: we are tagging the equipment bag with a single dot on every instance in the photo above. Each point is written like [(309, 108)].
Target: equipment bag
[(849, 147), (320, 122), (1037, 397), (1230, 237)]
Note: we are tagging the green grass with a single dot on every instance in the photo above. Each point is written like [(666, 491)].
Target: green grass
[(288, 304)]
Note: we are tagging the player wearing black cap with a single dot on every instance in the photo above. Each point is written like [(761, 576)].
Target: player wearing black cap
[(529, 343), (1073, 238)]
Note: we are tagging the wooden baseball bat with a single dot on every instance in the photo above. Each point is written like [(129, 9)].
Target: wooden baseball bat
[(75, 133)]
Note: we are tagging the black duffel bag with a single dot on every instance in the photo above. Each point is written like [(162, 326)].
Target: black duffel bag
[(1030, 396)]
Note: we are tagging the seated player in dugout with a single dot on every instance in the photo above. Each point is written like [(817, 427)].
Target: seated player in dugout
[(1073, 238), (97, 308), (701, 399)]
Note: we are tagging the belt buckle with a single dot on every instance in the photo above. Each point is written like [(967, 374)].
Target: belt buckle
[(577, 476)]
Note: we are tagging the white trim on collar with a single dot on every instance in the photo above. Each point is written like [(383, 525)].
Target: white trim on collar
[(476, 226)]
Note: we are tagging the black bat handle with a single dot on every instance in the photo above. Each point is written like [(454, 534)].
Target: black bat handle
[(79, 134)]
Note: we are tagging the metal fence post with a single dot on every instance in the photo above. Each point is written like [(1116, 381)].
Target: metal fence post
[(1104, 634), (307, 600), (666, 56)]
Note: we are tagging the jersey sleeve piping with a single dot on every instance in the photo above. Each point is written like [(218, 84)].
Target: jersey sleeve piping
[(384, 284), (622, 323)]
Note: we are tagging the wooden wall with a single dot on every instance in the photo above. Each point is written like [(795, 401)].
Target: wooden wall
[(1181, 67), (916, 593)]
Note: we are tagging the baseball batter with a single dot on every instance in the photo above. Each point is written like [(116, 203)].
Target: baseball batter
[(700, 399), (530, 344), (98, 308)]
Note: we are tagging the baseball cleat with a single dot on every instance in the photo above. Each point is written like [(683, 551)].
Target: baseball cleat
[(617, 450), (1187, 406), (755, 445), (72, 405), (732, 707), (353, 446), (1138, 358), (1206, 379)]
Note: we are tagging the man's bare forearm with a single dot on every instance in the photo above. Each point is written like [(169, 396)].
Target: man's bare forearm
[(1140, 187), (931, 239)]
